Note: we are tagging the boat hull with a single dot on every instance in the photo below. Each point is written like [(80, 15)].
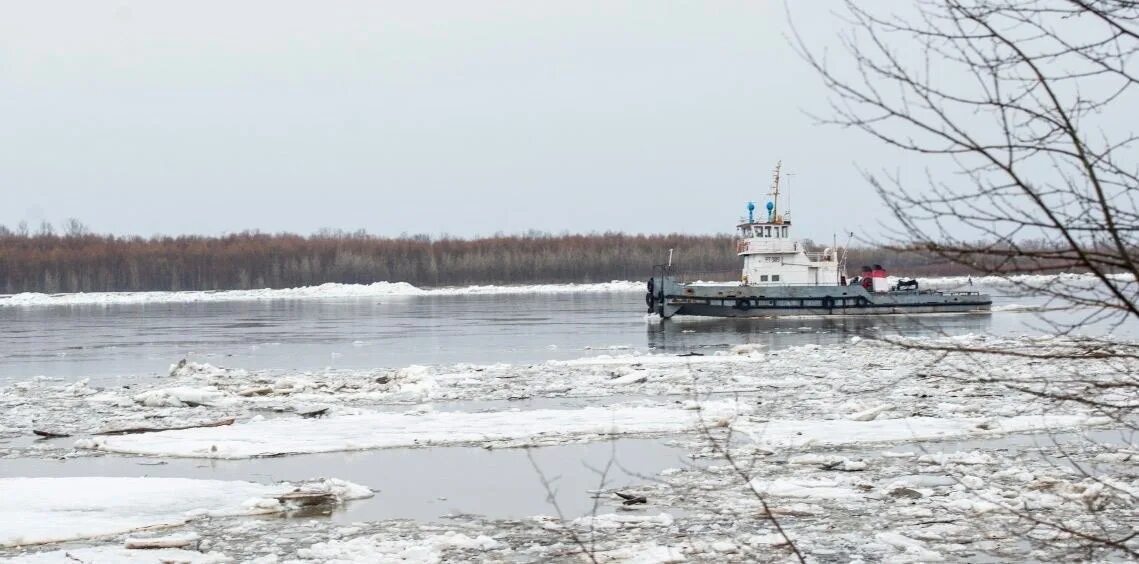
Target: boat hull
[(669, 298)]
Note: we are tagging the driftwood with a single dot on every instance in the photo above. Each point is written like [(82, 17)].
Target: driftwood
[(632, 499), (313, 413), (306, 499), (137, 430), (50, 434)]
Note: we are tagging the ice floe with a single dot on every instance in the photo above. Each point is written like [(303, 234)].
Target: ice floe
[(1019, 281), (119, 555), (806, 488), (799, 433), (371, 430), (379, 549), (46, 510)]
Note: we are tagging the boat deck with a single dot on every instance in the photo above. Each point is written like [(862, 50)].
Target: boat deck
[(669, 298)]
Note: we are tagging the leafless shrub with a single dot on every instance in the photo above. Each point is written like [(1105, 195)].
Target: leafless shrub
[(1021, 110)]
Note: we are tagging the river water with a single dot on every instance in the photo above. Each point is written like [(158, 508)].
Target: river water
[(111, 342), (116, 344)]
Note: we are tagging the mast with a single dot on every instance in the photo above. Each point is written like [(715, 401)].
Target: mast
[(775, 191)]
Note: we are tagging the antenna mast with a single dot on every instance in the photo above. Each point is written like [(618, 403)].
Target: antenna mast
[(775, 189), (787, 212)]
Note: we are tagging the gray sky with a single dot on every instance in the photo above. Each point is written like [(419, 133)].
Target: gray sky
[(457, 117)]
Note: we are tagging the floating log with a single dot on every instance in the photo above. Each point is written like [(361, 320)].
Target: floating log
[(632, 499), (50, 434), (137, 430), (307, 499)]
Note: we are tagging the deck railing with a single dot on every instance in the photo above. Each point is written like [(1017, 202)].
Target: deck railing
[(686, 276), (821, 257)]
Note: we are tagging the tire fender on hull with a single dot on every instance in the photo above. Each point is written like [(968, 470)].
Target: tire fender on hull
[(650, 296)]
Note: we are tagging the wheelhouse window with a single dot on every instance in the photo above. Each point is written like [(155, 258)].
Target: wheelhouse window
[(784, 231), (774, 277), (767, 230), (763, 278)]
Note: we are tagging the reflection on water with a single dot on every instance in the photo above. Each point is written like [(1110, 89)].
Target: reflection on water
[(687, 334)]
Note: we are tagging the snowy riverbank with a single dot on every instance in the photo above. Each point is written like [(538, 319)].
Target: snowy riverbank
[(324, 291), (403, 289)]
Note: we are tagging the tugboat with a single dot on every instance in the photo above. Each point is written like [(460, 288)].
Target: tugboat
[(781, 277)]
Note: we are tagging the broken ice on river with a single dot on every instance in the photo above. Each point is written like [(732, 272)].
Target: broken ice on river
[(438, 426)]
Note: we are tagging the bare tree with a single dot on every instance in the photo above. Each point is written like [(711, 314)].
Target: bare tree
[(75, 228), (1022, 112), (1024, 107)]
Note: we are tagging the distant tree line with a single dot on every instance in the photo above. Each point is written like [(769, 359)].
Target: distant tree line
[(76, 260), (73, 259)]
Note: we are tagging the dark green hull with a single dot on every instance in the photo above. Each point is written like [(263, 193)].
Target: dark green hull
[(668, 298)]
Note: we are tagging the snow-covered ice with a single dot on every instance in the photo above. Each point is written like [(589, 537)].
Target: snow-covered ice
[(857, 391), (837, 432), (45, 510), (377, 548), (370, 430), (119, 555), (323, 291)]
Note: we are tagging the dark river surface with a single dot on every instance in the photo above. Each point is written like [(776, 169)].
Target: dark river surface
[(106, 343), (119, 343)]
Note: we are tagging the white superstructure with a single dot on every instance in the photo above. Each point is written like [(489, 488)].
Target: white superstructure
[(773, 257)]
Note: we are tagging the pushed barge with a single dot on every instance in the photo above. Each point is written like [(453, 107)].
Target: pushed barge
[(781, 278)]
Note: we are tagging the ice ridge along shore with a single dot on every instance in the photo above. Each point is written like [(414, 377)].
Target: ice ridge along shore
[(324, 291), (400, 289)]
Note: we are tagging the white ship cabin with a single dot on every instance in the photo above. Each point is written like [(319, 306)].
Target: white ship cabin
[(773, 257)]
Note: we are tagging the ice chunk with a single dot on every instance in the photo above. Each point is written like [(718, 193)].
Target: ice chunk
[(823, 489), (181, 397), (371, 430), (377, 548), (42, 510), (870, 414), (746, 349), (914, 550), (184, 540), (941, 459), (119, 555), (787, 432)]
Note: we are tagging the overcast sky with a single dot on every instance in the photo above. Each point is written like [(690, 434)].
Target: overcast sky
[(468, 118)]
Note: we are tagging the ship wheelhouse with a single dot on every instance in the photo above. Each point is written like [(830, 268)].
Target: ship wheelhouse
[(772, 256)]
